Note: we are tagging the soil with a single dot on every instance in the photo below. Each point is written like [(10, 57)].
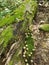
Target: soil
[(41, 38)]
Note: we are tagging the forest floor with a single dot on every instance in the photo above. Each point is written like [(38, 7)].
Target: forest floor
[(41, 38)]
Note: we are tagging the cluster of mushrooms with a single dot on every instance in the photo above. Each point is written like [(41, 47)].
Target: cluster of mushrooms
[(27, 56)]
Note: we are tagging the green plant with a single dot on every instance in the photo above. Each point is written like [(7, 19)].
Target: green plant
[(44, 27)]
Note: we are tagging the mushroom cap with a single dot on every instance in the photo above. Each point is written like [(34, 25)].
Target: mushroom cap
[(27, 63), (31, 60), (24, 52), (24, 55), (29, 54), (26, 60), (24, 47), (33, 49)]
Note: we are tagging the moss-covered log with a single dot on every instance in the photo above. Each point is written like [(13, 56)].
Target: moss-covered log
[(19, 13)]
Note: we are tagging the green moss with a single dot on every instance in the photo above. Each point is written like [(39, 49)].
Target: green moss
[(31, 8), (11, 63), (30, 43), (19, 13), (6, 35), (44, 27)]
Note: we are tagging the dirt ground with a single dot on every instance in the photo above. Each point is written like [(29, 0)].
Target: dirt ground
[(41, 38)]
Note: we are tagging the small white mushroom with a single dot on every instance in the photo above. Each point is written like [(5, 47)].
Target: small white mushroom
[(33, 49), (25, 33), (29, 54), (27, 63), (24, 52), (31, 61), (24, 56), (26, 45), (26, 48), (26, 60)]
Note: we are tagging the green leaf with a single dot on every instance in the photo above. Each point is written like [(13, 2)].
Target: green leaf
[(44, 27)]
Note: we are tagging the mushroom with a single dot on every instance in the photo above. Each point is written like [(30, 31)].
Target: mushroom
[(24, 56), (26, 60), (29, 54), (31, 61), (26, 45), (27, 63)]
